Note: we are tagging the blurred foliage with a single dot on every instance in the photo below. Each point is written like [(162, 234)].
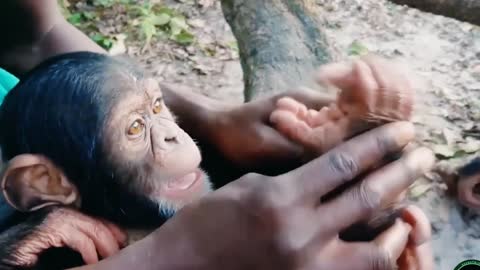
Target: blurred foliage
[(357, 49), (102, 20)]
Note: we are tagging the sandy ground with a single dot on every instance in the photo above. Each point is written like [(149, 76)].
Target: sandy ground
[(445, 52)]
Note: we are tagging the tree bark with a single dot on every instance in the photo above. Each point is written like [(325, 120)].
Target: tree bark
[(463, 10), (280, 43)]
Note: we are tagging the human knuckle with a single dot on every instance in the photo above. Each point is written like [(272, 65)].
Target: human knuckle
[(367, 197), (344, 164), (383, 142)]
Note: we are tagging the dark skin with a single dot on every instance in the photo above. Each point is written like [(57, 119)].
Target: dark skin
[(48, 34), (276, 149), (291, 233), (137, 132)]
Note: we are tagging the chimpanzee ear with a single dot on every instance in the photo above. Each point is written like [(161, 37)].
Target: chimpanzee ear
[(30, 182)]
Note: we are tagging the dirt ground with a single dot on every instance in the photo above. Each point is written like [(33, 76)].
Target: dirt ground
[(444, 52)]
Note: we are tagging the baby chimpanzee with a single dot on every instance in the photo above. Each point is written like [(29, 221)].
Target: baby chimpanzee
[(92, 132)]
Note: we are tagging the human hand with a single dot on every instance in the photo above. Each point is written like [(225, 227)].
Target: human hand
[(244, 135), (261, 222), (23, 244)]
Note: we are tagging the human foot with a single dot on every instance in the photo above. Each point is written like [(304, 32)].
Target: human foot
[(372, 92)]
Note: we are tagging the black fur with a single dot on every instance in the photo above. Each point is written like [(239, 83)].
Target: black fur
[(471, 168), (59, 110)]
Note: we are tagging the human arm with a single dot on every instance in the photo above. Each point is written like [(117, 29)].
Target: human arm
[(260, 222), (34, 30), (45, 33)]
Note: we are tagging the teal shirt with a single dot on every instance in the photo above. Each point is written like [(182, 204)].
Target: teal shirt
[(7, 82)]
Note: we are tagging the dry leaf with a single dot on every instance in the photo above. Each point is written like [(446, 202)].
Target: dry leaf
[(443, 150)]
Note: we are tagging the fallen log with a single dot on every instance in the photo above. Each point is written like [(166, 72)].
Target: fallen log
[(280, 43), (463, 10)]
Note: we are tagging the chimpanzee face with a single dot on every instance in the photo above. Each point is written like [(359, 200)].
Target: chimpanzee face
[(159, 160)]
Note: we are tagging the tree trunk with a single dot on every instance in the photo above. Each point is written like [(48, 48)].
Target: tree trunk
[(463, 10), (280, 43)]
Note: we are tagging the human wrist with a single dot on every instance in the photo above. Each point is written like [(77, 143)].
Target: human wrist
[(167, 248)]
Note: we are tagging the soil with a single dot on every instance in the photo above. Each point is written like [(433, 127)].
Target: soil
[(443, 51)]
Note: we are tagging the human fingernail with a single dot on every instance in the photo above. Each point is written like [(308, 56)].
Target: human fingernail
[(403, 132)]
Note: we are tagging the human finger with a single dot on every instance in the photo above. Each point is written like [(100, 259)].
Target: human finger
[(345, 162), (381, 253), (377, 190)]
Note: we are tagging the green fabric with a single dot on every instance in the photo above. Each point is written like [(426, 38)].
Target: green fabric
[(7, 82)]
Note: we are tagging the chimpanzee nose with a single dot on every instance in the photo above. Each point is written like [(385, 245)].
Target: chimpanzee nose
[(164, 138), (171, 139)]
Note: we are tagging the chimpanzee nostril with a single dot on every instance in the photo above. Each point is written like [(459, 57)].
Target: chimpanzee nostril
[(171, 139)]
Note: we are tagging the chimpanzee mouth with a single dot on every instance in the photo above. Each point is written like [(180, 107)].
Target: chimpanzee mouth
[(187, 187)]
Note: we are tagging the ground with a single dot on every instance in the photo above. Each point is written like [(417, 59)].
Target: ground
[(444, 52)]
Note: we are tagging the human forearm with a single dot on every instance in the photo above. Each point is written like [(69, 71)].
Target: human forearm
[(168, 248), (61, 37), (196, 113)]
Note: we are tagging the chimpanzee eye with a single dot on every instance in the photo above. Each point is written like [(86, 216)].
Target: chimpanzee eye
[(136, 128), (157, 106)]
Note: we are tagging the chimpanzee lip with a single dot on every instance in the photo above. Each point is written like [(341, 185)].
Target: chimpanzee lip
[(184, 183)]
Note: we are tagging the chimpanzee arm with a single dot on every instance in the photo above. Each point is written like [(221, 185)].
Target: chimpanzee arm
[(23, 244), (11, 241)]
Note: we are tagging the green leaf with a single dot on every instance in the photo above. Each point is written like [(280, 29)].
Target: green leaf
[(75, 18), (103, 3), (89, 15), (161, 19), (177, 24), (356, 48), (233, 45), (102, 40), (163, 10), (148, 29), (184, 38)]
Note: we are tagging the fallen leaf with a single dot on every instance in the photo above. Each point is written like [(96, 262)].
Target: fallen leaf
[(471, 146), (418, 190), (443, 150)]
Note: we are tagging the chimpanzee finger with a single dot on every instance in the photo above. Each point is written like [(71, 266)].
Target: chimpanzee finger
[(377, 189), (345, 162), (118, 233), (383, 252), (312, 99), (105, 243), (337, 74), (83, 244)]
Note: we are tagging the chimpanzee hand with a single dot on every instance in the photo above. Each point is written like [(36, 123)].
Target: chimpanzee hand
[(58, 227), (261, 222), (244, 135)]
